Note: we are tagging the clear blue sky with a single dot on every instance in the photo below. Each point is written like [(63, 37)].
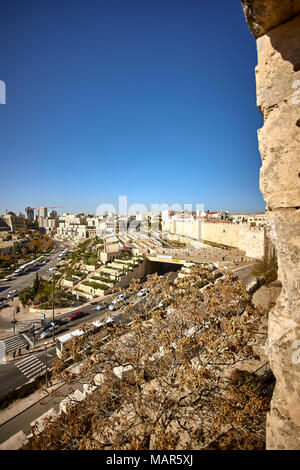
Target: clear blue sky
[(153, 99)]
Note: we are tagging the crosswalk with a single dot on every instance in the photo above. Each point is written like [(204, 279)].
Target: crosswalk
[(26, 325), (14, 343), (30, 366)]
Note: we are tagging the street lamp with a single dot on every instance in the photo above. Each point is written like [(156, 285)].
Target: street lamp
[(46, 363), (52, 270)]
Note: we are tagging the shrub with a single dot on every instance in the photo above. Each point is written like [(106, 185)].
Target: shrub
[(265, 269), (96, 285)]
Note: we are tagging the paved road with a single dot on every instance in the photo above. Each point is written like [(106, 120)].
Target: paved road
[(26, 279), (22, 421), (244, 274), (22, 370), (16, 373)]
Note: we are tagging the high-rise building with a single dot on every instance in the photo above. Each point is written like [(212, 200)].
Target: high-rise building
[(29, 214), (43, 212), (52, 215)]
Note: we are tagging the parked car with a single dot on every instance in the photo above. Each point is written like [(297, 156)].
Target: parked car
[(143, 292), (112, 307), (122, 297), (76, 315), (7, 278)]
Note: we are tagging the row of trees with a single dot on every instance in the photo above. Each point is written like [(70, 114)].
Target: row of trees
[(176, 378), (39, 244)]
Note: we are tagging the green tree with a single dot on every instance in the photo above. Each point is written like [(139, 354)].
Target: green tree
[(25, 295), (36, 285)]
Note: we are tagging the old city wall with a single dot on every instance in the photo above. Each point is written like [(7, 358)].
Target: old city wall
[(219, 232), (252, 240), (276, 26)]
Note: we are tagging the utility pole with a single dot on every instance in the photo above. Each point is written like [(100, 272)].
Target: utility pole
[(46, 363), (53, 306), (53, 333), (14, 319)]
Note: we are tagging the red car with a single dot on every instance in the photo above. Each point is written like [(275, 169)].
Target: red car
[(76, 315)]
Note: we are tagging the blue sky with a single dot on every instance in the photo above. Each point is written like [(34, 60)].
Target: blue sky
[(150, 99)]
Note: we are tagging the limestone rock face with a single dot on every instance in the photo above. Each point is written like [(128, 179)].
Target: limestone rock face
[(277, 25), (278, 98), (263, 15), (283, 423)]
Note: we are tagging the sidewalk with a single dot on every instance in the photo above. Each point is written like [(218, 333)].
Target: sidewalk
[(17, 407), (21, 405)]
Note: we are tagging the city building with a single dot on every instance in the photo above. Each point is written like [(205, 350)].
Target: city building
[(29, 214)]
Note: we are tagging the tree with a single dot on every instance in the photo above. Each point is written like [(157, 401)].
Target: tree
[(25, 295), (265, 269), (36, 285), (172, 379)]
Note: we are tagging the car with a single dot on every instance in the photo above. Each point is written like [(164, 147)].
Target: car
[(12, 294), (76, 315), (50, 323), (122, 297), (143, 292), (7, 279), (112, 307), (48, 331)]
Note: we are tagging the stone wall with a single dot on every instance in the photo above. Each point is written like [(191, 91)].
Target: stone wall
[(220, 232), (276, 24), (253, 240)]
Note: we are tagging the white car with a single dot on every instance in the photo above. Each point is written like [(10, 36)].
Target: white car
[(143, 292), (112, 307), (12, 293), (48, 331), (122, 297)]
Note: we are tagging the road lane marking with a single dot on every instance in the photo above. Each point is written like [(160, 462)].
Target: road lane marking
[(27, 359)]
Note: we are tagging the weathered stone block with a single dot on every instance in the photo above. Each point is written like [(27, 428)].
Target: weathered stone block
[(278, 97), (263, 15)]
